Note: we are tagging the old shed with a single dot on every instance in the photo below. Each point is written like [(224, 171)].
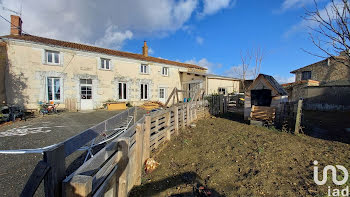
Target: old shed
[(264, 92)]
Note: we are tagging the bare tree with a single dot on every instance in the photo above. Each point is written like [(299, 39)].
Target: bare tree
[(330, 29), (250, 66)]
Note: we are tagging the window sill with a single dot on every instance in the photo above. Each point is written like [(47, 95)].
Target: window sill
[(52, 64), (144, 73), (104, 69), (165, 75)]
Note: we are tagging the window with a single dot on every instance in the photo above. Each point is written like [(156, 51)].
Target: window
[(122, 90), (53, 89), (305, 75), (52, 57), (144, 69), (161, 93), (222, 91), (144, 91), (165, 71), (86, 88), (105, 64)]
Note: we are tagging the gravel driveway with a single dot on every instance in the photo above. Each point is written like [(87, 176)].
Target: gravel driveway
[(35, 133)]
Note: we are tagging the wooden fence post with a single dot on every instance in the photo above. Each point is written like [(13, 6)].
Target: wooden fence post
[(135, 115), (146, 151), (188, 117), (298, 117), (55, 158), (138, 149), (168, 124), (221, 97), (176, 119), (79, 186), (183, 115), (122, 169)]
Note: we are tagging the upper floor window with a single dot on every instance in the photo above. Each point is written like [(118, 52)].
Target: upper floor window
[(144, 69), (165, 71), (105, 64), (52, 57), (305, 75)]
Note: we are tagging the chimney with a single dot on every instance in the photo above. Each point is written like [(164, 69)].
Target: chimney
[(16, 25), (145, 49)]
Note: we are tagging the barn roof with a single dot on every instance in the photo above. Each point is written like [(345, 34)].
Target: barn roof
[(271, 82)]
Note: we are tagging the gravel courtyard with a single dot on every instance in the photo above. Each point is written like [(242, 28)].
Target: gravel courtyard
[(35, 133)]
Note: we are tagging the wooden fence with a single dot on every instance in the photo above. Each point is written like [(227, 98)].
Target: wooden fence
[(116, 168), (289, 115), (218, 104), (52, 168)]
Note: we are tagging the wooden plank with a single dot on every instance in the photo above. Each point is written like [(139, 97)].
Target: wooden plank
[(167, 126), (138, 159), (55, 158), (35, 179), (146, 139), (91, 166), (176, 120), (298, 117), (188, 116), (79, 186)]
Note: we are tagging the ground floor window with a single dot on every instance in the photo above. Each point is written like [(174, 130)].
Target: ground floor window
[(122, 90), (162, 93), (54, 89), (144, 91), (222, 91), (86, 88)]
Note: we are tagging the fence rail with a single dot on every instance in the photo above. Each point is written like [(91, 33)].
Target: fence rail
[(117, 167)]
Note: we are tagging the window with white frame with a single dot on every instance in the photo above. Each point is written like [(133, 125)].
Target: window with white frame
[(165, 71), (86, 88), (144, 91), (144, 69), (222, 91), (53, 89), (122, 90), (52, 57), (105, 64), (162, 93)]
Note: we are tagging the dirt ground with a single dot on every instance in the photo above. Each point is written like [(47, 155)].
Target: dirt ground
[(35, 133), (234, 159)]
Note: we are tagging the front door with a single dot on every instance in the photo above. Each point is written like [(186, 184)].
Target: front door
[(86, 102), (162, 95)]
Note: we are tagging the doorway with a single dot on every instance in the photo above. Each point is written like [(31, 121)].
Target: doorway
[(86, 102), (162, 95)]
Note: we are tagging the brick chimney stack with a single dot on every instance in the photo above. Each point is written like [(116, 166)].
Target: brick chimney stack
[(16, 25), (145, 49)]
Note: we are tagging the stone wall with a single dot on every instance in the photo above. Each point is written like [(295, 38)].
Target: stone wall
[(325, 71)]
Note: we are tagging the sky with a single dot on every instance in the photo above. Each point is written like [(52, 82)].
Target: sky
[(209, 33)]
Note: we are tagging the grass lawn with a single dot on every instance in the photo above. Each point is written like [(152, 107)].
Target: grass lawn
[(235, 159)]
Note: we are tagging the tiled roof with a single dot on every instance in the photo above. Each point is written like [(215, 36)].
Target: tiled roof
[(90, 48), (275, 84)]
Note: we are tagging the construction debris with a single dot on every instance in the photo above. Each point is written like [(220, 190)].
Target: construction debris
[(151, 105)]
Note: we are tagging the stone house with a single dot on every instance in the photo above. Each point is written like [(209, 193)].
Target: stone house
[(324, 85), (35, 69), (222, 85)]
